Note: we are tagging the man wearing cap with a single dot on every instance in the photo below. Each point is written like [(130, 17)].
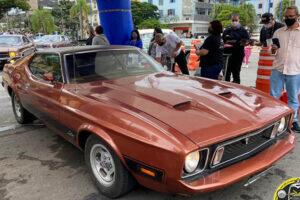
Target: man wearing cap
[(269, 28), (286, 72)]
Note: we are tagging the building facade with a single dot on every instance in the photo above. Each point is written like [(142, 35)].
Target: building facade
[(93, 17), (263, 6), (184, 15)]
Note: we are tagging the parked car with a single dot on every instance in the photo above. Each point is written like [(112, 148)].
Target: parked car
[(12, 46), (53, 41), (37, 37), (136, 122)]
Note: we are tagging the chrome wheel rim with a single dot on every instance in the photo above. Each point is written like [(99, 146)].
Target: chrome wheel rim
[(18, 107), (102, 165)]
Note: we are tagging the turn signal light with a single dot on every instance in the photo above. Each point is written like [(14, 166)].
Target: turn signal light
[(218, 156), (147, 172), (12, 54)]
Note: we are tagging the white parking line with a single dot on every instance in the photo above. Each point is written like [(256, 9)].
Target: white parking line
[(10, 127)]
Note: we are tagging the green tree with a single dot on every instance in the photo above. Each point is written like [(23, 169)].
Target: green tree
[(6, 5), (81, 10), (247, 14), (250, 17), (143, 11), (42, 21), (151, 23), (281, 7), (62, 18)]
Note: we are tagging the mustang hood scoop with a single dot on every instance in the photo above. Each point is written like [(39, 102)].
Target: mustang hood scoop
[(183, 105)]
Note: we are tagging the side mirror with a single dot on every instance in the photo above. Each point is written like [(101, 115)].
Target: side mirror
[(48, 77)]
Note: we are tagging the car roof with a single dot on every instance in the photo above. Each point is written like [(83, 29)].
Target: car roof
[(74, 49)]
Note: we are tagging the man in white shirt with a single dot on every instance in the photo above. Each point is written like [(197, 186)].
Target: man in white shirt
[(287, 62), (171, 45)]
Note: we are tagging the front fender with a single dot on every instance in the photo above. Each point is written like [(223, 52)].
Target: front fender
[(102, 134)]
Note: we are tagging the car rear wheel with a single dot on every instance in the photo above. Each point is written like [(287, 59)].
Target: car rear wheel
[(107, 170), (21, 114)]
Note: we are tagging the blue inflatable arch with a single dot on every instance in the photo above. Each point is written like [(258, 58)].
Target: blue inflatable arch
[(116, 19)]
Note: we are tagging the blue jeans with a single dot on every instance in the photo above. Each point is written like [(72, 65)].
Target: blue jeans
[(292, 85), (211, 72)]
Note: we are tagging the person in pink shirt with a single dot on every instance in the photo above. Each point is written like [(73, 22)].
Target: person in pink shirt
[(248, 50)]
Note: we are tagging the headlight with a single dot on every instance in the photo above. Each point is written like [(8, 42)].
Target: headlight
[(279, 127), (192, 161), (12, 54), (282, 125)]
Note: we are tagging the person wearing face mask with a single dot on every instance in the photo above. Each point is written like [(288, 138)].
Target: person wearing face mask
[(211, 52), (135, 39), (171, 45), (269, 28), (286, 66), (237, 37)]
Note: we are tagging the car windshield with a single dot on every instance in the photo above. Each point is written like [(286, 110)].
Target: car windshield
[(50, 38), (109, 64), (10, 40)]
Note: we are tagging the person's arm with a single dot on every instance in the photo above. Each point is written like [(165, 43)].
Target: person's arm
[(207, 46), (202, 52), (275, 48), (245, 37), (178, 42)]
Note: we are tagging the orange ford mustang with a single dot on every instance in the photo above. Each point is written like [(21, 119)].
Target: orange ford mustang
[(137, 123)]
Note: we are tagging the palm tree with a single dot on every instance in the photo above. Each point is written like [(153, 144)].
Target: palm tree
[(81, 10), (42, 21)]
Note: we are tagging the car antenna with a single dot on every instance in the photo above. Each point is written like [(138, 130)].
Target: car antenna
[(74, 70)]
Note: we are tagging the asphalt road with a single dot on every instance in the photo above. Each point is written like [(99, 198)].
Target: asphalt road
[(36, 164)]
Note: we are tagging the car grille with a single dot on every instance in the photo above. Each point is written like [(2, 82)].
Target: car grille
[(244, 147), (4, 54)]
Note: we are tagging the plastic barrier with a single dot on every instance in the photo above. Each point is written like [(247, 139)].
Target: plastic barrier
[(193, 62), (265, 66)]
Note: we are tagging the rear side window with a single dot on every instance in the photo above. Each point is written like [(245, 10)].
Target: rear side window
[(46, 63)]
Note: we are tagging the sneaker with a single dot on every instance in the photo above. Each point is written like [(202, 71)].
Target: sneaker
[(296, 127)]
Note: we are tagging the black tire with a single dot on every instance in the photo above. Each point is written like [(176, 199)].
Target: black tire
[(123, 180), (21, 114)]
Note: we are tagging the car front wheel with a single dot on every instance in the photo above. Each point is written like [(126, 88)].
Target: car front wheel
[(21, 114), (108, 172)]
